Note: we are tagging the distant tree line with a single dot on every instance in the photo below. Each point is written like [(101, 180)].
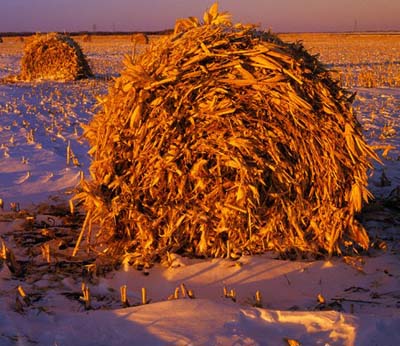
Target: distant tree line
[(97, 33)]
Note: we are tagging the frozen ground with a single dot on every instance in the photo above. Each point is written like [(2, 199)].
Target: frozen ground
[(343, 301)]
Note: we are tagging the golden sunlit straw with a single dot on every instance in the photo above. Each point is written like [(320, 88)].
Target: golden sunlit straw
[(144, 296), (87, 38), (53, 57), (140, 38), (124, 299), (221, 140)]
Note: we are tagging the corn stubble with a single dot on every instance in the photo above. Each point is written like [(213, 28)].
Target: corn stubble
[(221, 140), (53, 57)]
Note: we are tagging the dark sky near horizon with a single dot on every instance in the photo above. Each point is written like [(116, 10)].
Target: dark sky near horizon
[(150, 15)]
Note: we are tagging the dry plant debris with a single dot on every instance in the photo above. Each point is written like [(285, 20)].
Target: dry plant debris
[(53, 57), (87, 38), (221, 140), (140, 38)]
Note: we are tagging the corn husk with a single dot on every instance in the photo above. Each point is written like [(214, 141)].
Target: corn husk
[(222, 140), (53, 57)]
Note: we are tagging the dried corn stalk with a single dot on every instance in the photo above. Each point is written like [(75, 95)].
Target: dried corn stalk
[(221, 139), (53, 57)]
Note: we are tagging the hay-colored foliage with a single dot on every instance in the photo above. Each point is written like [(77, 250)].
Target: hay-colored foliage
[(87, 38), (140, 38), (53, 57), (222, 140)]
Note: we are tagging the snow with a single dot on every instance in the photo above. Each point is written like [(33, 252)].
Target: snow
[(342, 301), (289, 306), (38, 122), (379, 110)]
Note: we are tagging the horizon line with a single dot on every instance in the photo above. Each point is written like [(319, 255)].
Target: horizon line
[(167, 31)]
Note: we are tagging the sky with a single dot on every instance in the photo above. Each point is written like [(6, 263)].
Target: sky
[(152, 15)]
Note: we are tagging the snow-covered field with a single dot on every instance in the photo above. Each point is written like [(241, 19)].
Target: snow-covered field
[(341, 301)]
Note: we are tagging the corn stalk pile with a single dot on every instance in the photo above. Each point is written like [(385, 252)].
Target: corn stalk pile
[(53, 57), (222, 140), (87, 38), (140, 38)]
